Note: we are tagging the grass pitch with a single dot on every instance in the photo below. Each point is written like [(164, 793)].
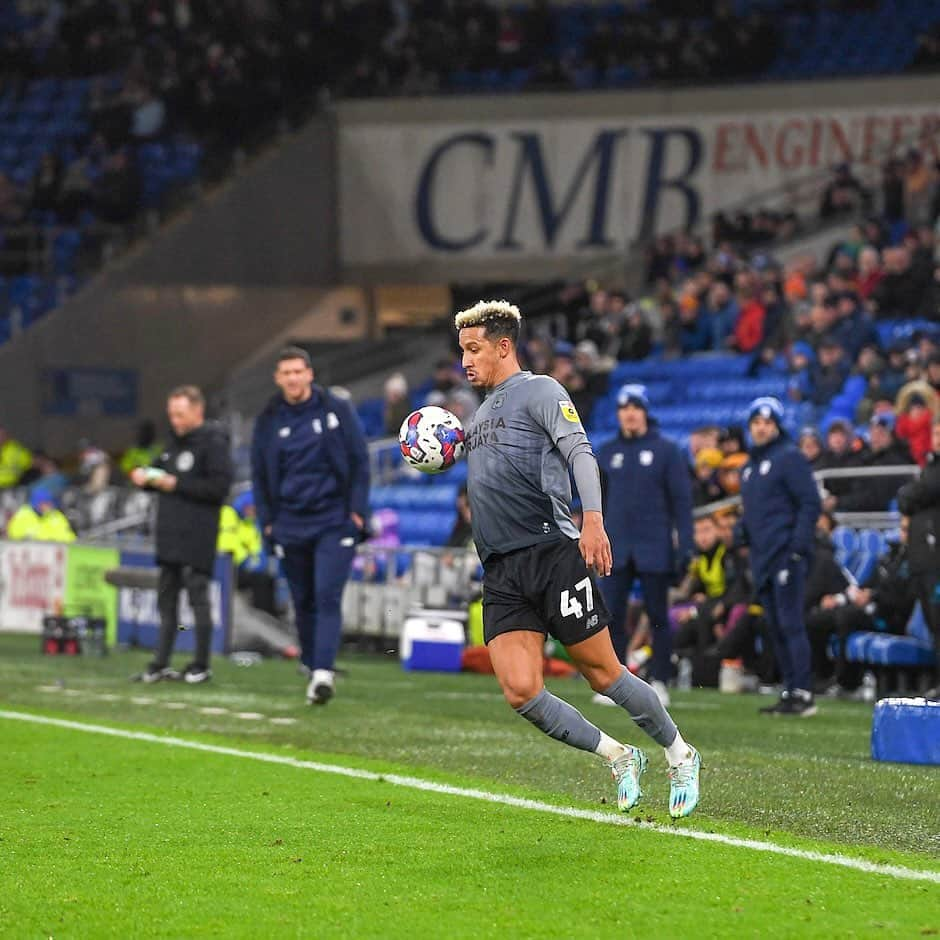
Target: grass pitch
[(104, 836)]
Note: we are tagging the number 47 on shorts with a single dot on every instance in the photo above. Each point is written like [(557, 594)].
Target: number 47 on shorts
[(571, 606)]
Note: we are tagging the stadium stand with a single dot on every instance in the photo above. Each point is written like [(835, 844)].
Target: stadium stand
[(110, 113), (109, 110)]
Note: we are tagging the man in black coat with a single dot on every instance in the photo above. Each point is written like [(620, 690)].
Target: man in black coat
[(884, 603), (874, 494), (192, 478), (920, 500)]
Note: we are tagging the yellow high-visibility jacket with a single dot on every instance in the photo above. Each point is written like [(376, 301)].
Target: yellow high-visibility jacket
[(28, 525), (15, 460)]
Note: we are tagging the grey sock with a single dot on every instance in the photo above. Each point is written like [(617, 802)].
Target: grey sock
[(561, 721), (644, 707)]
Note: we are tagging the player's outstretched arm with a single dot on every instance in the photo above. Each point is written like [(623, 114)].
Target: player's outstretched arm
[(594, 544)]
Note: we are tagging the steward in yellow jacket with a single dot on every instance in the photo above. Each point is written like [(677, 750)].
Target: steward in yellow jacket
[(239, 534), (40, 520)]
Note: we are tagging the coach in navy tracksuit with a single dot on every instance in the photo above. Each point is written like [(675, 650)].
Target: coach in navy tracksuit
[(648, 515), (310, 470), (781, 507)]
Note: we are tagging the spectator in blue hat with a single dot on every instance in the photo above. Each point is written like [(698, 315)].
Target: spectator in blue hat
[(40, 520), (780, 509), (648, 512)]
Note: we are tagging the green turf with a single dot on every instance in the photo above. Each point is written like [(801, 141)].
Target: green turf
[(771, 778), (105, 837), (108, 837)]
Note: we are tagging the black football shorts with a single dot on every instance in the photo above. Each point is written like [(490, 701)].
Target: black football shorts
[(546, 588)]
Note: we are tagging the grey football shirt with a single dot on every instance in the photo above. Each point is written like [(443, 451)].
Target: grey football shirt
[(517, 480)]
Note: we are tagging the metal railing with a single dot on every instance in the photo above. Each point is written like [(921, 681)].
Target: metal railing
[(884, 519), (391, 582)]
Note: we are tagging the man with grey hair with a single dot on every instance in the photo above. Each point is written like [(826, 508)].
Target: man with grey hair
[(521, 445)]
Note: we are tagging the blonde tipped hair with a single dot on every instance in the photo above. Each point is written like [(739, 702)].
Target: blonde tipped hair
[(489, 313)]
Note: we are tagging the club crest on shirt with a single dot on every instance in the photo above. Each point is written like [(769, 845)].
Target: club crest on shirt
[(646, 457), (284, 432), (185, 461), (569, 412), (764, 468), (498, 402), (332, 422), (616, 462), (317, 426), (746, 474)]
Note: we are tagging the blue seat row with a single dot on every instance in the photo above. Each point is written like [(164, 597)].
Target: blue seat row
[(423, 527), (858, 550), (913, 650), (694, 367), (405, 496)]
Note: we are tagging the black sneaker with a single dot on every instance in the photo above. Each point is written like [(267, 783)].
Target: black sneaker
[(802, 705), (194, 674), (797, 704), (156, 674), (779, 707)]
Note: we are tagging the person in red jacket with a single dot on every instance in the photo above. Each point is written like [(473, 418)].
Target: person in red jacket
[(749, 329), (914, 426)]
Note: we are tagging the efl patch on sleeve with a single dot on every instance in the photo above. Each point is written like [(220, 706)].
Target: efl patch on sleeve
[(569, 411)]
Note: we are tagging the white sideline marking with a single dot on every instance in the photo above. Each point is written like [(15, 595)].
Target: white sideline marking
[(416, 783)]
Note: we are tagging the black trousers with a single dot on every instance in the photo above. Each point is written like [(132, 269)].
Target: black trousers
[(616, 589), (173, 578), (928, 592), (750, 641), (259, 586), (839, 623)]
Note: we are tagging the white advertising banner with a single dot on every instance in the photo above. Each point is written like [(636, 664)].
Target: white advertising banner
[(32, 584), (570, 187)]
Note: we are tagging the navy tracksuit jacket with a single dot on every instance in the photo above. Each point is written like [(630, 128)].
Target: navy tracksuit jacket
[(647, 498), (310, 471), (781, 507)]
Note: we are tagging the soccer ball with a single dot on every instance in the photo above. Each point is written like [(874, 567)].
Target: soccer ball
[(431, 439)]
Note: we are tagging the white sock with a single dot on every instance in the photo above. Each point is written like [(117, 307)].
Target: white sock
[(678, 751), (608, 748)]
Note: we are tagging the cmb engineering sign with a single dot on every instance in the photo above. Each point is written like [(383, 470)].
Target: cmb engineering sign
[(563, 188)]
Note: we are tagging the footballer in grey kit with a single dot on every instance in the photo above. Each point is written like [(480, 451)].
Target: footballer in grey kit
[(521, 491), (538, 569)]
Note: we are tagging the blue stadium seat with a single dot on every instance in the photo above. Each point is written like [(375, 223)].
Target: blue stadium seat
[(426, 528), (913, 650), (407, 496), (872, 542), (845, 540)]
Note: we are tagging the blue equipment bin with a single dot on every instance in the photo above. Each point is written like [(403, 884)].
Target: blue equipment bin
[(906, 731)]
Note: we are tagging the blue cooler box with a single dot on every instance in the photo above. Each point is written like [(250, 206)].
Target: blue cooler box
[(906, 730), (432, 640)]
